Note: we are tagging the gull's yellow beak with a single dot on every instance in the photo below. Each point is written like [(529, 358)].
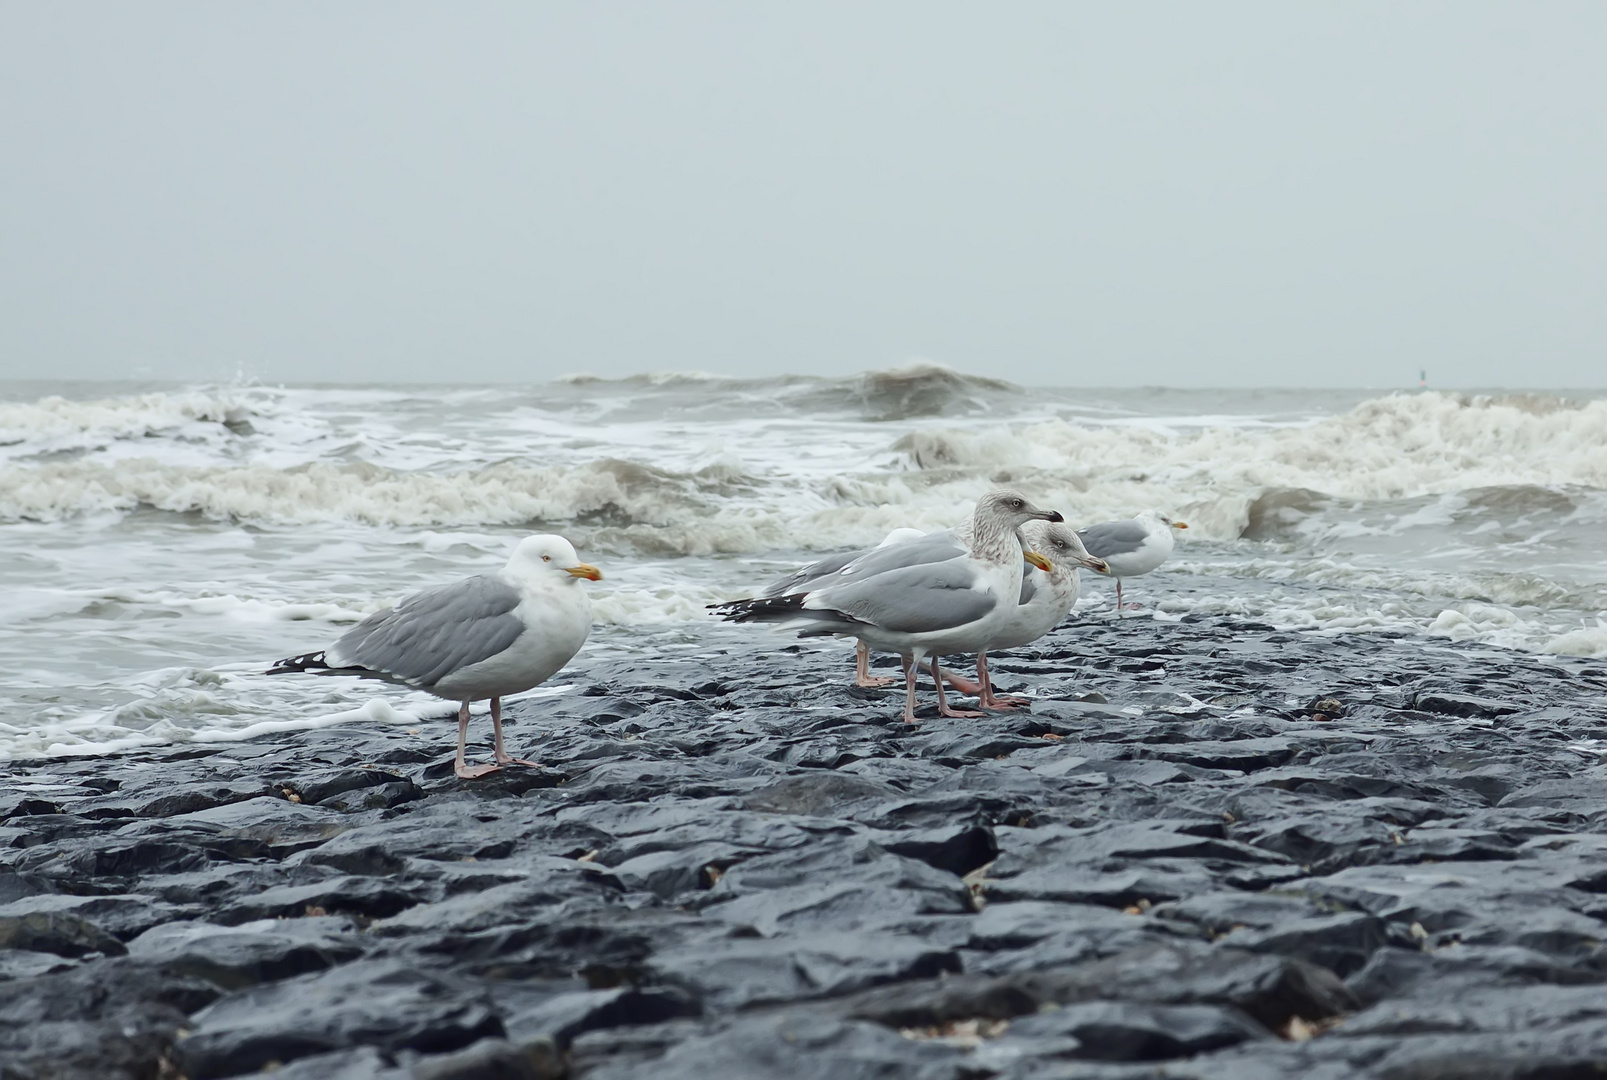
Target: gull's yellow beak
[(585, 570), (1038, 560), (1179, 524)]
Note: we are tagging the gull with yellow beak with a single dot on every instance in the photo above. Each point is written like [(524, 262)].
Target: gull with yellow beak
[(923, 598), (1048, 593), (486, 636), (1131, 548)]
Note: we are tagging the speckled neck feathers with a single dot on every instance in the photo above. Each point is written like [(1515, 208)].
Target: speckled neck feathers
[(990, 535)]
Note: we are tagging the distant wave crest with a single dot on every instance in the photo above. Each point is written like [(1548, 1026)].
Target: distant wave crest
[(58, 425), (1519, 455), (902, 393), (1241, 481)]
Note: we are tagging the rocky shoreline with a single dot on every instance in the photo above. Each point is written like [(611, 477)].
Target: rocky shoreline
[(1210, 849)]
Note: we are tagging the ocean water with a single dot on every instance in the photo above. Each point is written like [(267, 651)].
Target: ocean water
[(160, 544)]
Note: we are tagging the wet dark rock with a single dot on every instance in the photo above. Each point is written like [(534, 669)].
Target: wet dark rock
[(361, 1063), (493, 1059), (1342, 943), (959, 849), (801, 1045), (235, 957), (618, 1050), (1207, 848), (1467, 705), (386, 1005), (741, 971), (25, 963), (320, 787), (1121, 1031), (15, 886), (56, 932), (1241, 755), (566, 1017), (1270, 990), (374, 898), (122, 916), (113, 1019), (667, 874)]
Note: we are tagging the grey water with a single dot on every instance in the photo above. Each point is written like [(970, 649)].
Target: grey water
[(159, 543)]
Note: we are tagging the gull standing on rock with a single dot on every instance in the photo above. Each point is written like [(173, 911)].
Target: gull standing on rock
[(483, 637), (913, 599), (801, 579), (1131, 548), (1047, 597)]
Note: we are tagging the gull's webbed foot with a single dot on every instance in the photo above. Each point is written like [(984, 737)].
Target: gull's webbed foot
[(470, 772)]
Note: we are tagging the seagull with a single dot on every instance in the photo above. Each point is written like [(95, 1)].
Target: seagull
[(800, 580), (1131, 548), (1047, 596), (486, 636), (941, 593)]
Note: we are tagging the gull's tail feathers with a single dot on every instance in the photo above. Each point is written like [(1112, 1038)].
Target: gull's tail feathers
[(312, 663), (787, 610), (317, 663)]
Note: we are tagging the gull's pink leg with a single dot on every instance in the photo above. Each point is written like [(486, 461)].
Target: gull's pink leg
[(911, 670), (942, 699), (1119, 604), (461, 767), (862, 675), (961, 684), (502, 756), (988, 699)]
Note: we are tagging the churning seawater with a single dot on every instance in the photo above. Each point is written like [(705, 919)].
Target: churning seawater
[(160, 544)]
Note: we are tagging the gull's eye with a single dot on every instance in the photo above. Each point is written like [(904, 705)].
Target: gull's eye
[(1016, 503), (546, 558)]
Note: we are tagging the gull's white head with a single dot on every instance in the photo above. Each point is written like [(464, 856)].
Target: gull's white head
[(547, 555), (1161, 519), (1059, 545), (1007, 509)]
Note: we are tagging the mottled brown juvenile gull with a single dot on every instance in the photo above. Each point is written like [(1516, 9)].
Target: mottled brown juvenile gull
[(1131, 548), (943, 593), (486, 636)]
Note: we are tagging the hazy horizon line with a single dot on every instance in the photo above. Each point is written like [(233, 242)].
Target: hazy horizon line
[(694, 375)]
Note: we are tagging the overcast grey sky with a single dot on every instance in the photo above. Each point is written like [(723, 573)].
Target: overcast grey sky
[(1187, 194)]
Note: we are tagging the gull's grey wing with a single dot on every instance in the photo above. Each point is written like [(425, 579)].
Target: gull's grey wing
[(795, 581), (911, 599), (938, 547), (433, 633), (1028, 586), (1113, 538)]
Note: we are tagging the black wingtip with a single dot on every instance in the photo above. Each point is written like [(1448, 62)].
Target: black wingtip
[(762, 609), (294, 665)]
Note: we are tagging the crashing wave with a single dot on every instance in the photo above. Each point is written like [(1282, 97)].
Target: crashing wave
[(56, 425), (1400, 446), (505, 493)]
